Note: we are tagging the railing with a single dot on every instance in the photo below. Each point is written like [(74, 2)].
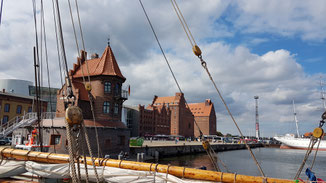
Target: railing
[(16, 122), (25, 120), (124, 94), (48, 115)]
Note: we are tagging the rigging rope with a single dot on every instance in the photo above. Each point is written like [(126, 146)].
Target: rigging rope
[(69, 94), (204, 65), (57, 43), (211, 153), (37, 76), (1, 11), (47, 69), (317, 135), (99, 153)]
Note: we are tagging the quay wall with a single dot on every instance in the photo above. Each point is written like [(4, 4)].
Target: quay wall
[(182, 149)]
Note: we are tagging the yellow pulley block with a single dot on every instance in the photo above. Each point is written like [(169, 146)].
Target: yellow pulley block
[(318, 132), (196, 50), (88, 87), (74, 115), (205, 145)]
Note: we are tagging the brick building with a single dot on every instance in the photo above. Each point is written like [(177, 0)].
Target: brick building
[(171, 112), (181, 118), (13, 105), (205, 117), (154, 120), (107, 96)]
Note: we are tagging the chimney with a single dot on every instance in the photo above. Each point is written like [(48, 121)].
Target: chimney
[(83, 55), (3, 90), (94, 55), (208, 102)]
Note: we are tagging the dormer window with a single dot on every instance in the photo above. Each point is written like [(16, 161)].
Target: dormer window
[(107, 87)]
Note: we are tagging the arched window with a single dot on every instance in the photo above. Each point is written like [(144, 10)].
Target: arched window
[(106, 107), (107, 87)]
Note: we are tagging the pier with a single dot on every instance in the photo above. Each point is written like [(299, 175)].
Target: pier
[(159, 149)]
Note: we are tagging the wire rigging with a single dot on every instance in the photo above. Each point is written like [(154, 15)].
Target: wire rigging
[(69, 93), (206, 144), (37, 76), (57, 42), (88, 88), (1, 6), (197, 52), (47, 68)]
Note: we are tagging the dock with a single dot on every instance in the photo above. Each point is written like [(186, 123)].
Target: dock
[(159, 149)]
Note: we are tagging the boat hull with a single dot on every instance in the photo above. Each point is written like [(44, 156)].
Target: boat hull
[(299, 143)]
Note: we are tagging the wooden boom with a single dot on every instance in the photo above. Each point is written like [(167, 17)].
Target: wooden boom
[(183, 172)]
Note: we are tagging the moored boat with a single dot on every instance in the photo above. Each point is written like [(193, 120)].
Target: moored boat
[(289, 141)]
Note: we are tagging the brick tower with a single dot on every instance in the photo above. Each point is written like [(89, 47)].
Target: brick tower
[(106, 81)]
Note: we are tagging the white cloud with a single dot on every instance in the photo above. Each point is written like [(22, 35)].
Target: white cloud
[(240, 74), (287, 18)]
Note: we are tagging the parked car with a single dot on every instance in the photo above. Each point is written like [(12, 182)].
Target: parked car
[(8, 140), (5, 141), (2, 142)]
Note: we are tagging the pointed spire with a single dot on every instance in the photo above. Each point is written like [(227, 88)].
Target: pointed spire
[(108, 40)]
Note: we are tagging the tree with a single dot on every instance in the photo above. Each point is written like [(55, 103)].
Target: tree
[(219, 134)]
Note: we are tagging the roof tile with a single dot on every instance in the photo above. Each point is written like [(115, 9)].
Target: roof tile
[(106, 65)]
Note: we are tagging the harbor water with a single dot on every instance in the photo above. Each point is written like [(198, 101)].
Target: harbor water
[(275, 162)]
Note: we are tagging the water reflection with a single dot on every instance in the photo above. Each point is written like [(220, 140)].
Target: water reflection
[(278, 163)]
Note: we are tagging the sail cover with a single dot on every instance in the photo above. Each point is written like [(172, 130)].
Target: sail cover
[(10, 168), (107, 174)]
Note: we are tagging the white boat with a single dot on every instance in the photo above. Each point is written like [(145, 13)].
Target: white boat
[(289, 141)]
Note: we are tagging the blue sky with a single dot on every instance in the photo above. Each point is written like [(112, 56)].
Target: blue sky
[(274, 49)]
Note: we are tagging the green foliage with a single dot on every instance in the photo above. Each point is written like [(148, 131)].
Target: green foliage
[(219, 134), (228, 135)]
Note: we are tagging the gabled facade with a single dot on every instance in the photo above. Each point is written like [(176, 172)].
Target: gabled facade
[(205, 117), (107, 96), (181, 120), (154, 120), (106, 81)]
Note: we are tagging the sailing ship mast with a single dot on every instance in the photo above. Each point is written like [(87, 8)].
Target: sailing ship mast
[(295, 119)]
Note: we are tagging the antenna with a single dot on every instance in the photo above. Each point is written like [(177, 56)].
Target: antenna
[(295, 118), (257, 120)]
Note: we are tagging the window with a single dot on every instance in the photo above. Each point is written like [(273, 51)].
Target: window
[(55, 139), (117, 89), (107, 87), (106, 107), (29, 109), (19, 109), (5, 119), (116, 108), (7, 107)]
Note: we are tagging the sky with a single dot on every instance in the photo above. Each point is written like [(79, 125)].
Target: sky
[(272, 49)]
